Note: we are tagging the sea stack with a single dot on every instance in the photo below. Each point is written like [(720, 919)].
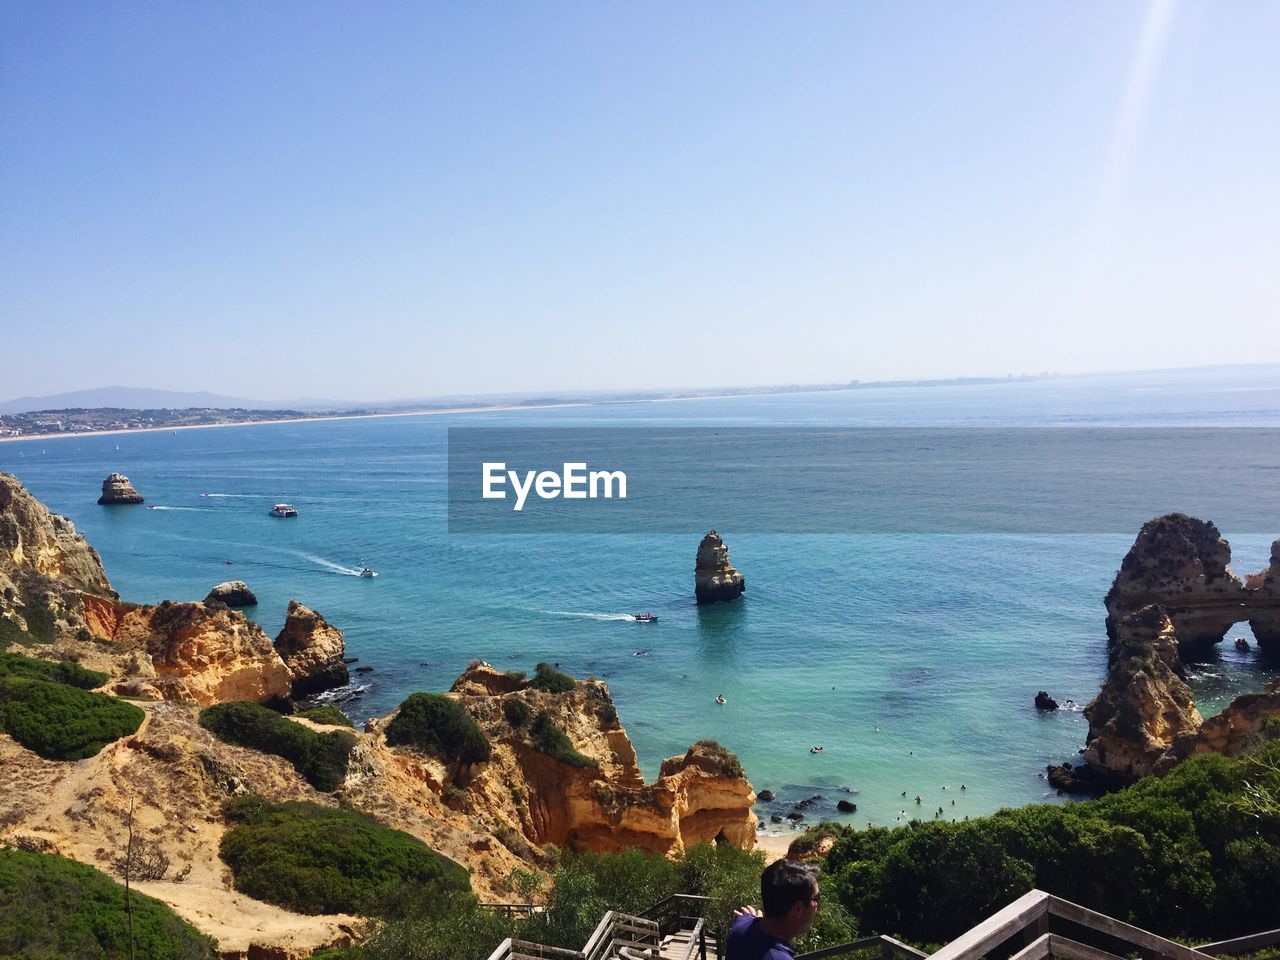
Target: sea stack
[(117, 489), (313, 650), (234, 593), (714, 578)]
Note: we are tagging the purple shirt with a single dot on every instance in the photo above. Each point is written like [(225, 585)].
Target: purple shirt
[(748, 942)]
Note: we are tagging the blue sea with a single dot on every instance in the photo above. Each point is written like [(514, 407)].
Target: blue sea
[(912, 660)]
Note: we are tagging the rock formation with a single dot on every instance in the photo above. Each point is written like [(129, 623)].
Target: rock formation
[(700, 796), (233, 593), (1180, 563), (1144, 703), (313, 650), (1045, 702), (117, 489), (44, 567), (189, 651), (714, 579), (1262, 593)]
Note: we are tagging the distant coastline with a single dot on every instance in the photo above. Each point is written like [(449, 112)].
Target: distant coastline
[(67, 434), (179, 418)]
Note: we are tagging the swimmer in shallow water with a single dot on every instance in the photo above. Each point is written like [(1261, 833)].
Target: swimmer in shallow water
[(720, 698)]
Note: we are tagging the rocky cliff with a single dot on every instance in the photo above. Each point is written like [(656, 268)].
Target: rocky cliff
[(1180, 563), (185, 651), (44, 568), (701, 796), (1173, 598), (313, 650), (1144, 702), (714, 578)]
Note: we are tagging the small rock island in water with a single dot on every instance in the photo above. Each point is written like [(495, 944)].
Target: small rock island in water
[(714, 578), (117, 489)]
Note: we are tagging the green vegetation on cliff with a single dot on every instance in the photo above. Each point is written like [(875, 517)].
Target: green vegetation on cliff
[(327, 713), (62, 671), (549, 680), (551, 740), (585, 886), (53, 907), (313, 859), (441, 726), (57, 720), (321, 758)]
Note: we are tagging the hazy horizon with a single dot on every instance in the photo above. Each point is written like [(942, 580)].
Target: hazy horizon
[(422, 200)]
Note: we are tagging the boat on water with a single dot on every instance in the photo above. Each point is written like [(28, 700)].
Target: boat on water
[(367, 572), (644, 617), (1242, 643), (283, 510)]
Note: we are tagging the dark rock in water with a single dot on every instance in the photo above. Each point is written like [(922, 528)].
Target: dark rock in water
[(804, 804), (795, 815), (117, 489), (714, 579), (1080, 779), (846, 806), (776, 818), (765, 796), (350, 659), (364, 669), (1045, 702), (234, 593)]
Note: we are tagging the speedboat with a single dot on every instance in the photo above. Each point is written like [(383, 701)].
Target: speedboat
[(283, 510), (367, 572), (644, 618)]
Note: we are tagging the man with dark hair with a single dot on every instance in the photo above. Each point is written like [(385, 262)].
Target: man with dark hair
[(789, 892)]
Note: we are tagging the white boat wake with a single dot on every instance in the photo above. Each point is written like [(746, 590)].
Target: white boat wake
[(238, 496), (157, 506), (328, 564), (588, 616)]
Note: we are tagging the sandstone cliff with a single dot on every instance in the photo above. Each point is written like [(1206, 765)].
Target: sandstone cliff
[(1180, 563), (184, 651), (313, 650), (44, 567), (714, 578), (699, 797), (1144, 702)]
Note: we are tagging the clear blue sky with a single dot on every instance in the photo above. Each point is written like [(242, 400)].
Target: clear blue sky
[(377, 200)]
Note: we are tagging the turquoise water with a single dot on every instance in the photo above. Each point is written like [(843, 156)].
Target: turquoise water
[(912, 660)]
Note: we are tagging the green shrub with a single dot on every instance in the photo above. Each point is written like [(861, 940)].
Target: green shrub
[(551, 740), (1183, 855), (63, 671), (53, 907), (329, 714), (313, 859), (517, 712), (321, 758), (551, 681), (455, 927), (441, 726), (60, 722)]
